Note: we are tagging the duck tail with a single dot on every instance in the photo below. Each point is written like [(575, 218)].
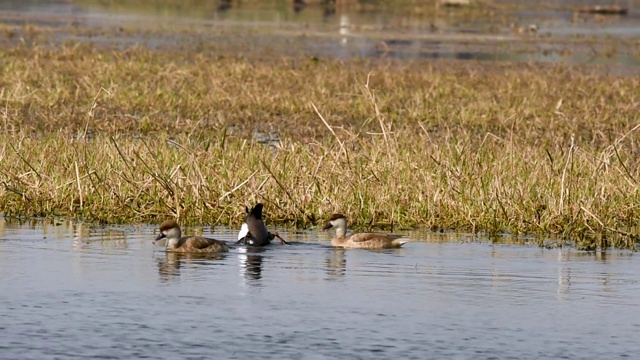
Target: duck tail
[(256, 211), (399, 242)]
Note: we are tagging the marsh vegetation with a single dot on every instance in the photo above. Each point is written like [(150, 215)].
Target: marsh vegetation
[(136, 136)]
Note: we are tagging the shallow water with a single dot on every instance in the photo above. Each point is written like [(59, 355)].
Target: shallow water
[(500, 32), (75, 290)]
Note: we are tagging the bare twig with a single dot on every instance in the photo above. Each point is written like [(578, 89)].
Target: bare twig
[(79, 185), (237, 186), (330, 128), (94, 104), (564, 173), (25, 161), (301, 211)]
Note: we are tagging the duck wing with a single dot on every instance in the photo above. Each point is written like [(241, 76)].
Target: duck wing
[(198, 242), (373, 236)]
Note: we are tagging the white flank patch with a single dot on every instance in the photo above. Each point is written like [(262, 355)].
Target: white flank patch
[(244, 231)]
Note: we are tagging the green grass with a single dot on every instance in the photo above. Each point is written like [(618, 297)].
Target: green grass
[(133, 135)]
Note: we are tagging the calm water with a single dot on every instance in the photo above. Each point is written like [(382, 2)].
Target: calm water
[(495, 33), (73, 290)]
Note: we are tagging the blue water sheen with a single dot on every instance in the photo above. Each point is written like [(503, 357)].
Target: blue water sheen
[(74, 290)]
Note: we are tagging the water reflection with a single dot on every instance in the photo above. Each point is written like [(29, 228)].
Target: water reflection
[(572, 264), (168, 266), (170, 263), (336, 263), (250, 262), (564, 277), (86, 236)]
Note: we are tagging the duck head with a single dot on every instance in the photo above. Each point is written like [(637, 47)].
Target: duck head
[(337, 221), (170, 230)]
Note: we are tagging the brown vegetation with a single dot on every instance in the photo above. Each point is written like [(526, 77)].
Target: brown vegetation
[(135, 135)]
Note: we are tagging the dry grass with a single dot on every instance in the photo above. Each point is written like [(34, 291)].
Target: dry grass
[(136, 136)]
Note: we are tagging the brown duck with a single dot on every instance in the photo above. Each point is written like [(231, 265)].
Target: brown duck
[(362, 240), (187, 244)]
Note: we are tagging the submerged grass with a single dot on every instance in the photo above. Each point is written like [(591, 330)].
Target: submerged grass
[(135, 135)]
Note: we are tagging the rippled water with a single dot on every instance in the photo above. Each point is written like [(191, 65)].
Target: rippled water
[(72, 290)]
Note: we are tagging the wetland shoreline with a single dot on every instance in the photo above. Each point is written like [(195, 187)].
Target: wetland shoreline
[(137, 134)]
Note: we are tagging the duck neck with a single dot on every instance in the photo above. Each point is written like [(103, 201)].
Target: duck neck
[(172, 243), (341, 228), (173, 236)]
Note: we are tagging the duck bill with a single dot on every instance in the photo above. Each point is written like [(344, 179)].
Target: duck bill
[(158, 238), (327, 227)]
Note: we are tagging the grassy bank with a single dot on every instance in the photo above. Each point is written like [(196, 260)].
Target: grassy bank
[(138, 136)]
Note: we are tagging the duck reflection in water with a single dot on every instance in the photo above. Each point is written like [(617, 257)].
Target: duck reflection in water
[(170, 263), (250, 259), (336, 263)]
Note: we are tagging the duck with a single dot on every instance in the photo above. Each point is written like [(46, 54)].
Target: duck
[(188, 244), (254, 232), (361, 240)]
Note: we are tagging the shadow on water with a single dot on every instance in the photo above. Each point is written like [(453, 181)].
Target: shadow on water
[(519, 31)]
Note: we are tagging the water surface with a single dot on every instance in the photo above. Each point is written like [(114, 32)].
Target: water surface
[(507, 30), (72, 290)]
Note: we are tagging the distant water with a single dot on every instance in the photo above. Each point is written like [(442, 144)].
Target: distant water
[(78, 291), (515, 31)]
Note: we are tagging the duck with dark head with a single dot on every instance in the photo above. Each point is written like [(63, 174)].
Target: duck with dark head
[(254, 232), (187, 244)]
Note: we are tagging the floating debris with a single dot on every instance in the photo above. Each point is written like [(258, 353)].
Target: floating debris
[(532, 28), (454, 3), (604, 10)]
